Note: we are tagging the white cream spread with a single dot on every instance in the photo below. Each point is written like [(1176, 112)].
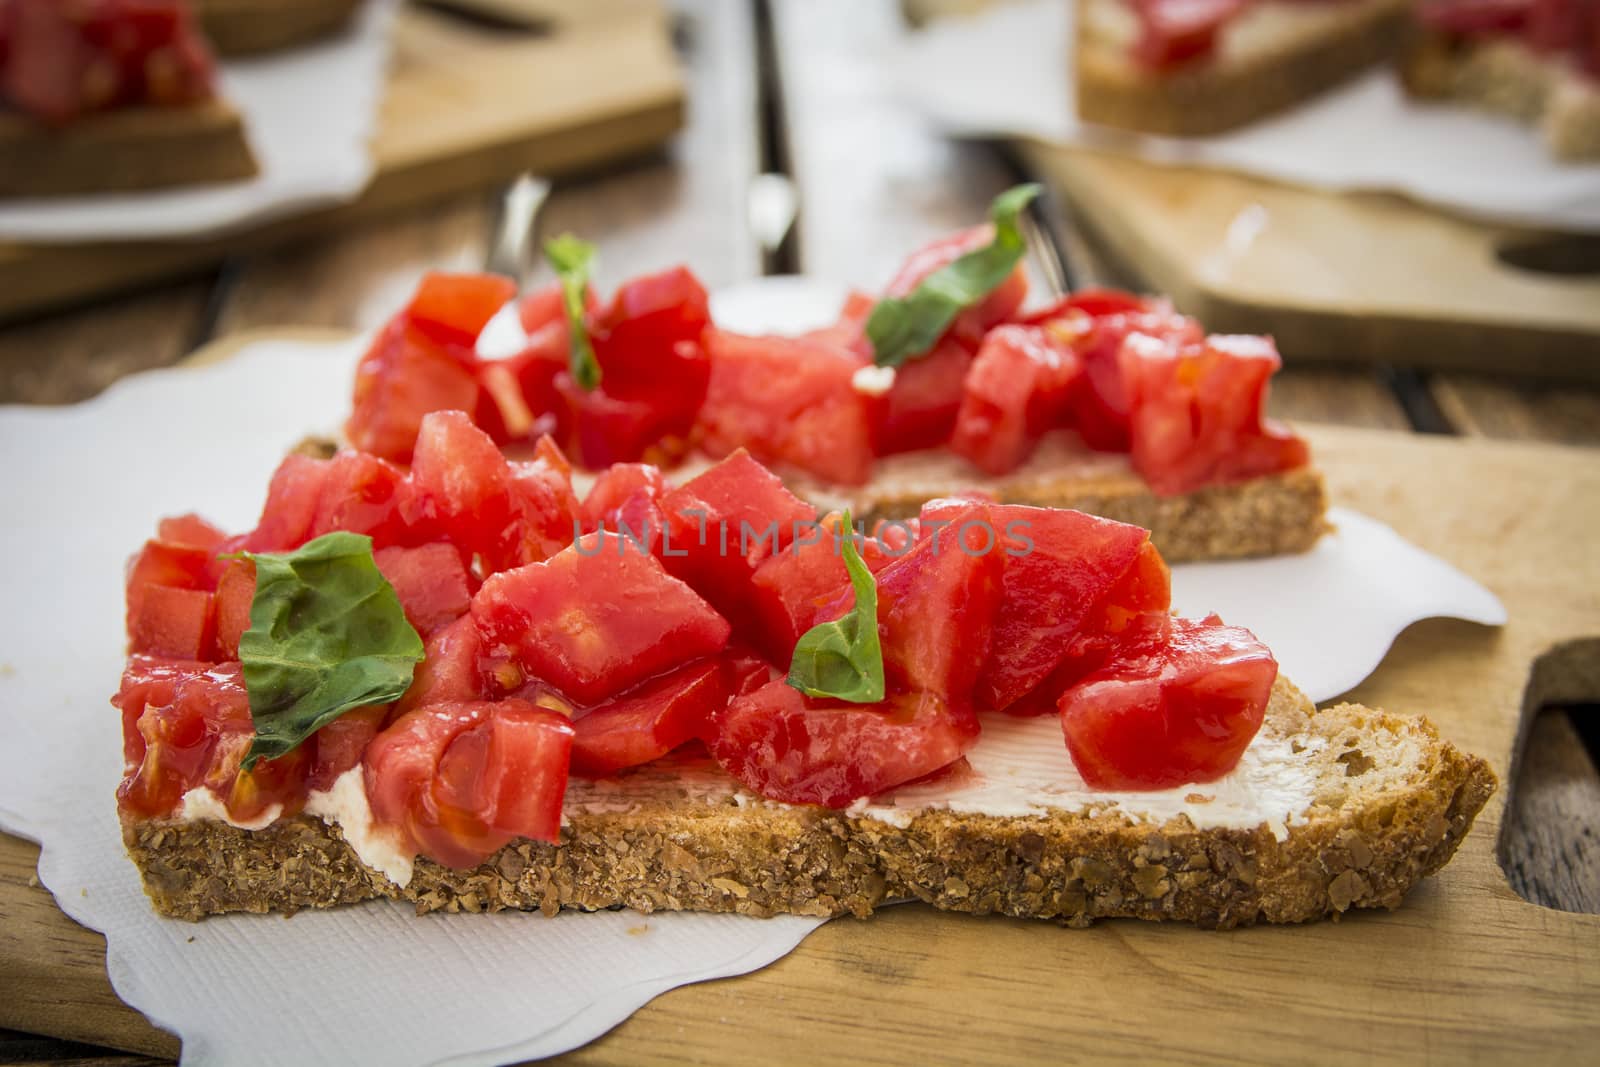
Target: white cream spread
[(201, 804), (873, 381), (345, 803)]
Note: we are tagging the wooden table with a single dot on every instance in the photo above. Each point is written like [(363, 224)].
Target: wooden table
[(788, 86)]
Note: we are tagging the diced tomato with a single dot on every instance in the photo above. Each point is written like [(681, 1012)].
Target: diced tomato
[(1175, 32), (165, 564), (1178, 702), (544, 510), (649, 720), (451, 671), (1476, 16), (593, 620), (789, 401), (291, 507), (454, 308), (173, 623), (623, 499), (432, 583), (1096, 303), (936, 606), (461, 780), (190, 531), (604, 429), (975, 321), (850, 329), (1058, 566), (362, 494), (340, 744), (920, 409), (405, 375), (187, 725), (236, 591), (647, 341), (722, 523), (800, 750), (1019, 386), (1197, 412), (1103, 405)]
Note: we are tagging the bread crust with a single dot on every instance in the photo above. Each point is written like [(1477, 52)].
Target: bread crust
[(1364, 843), (248, 27), (1214, 96), (124, 150)]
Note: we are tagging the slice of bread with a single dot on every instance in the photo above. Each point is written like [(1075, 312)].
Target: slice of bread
[(1384, 803), (247, 27), (1272, 56), (125, 150), (1264, 516), (1504, 75)]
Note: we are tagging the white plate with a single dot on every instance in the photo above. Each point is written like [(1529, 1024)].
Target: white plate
[(86, 484)]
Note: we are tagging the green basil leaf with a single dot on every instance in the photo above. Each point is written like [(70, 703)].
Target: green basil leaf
[(843, 659), (906, 328), (572, 260), (327, 635)]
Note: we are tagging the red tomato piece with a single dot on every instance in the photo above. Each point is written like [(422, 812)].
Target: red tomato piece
[(173, 623), (1175, 32), (647, 341), (1103, 406), (593, 620), (1019, 386), (291, 508), (974, 322), (1058, 566), (1197, 412), (920, 409), (936, 606), (850, 330), (1477, 16), (1096, 303), (789, 401), (166, 564), (461, 780), (190, 531), (793, 748), (722, 523), (405, 375), (544, 510), (623, 499), (362, 494), (236, 591), (649, 720), (451, 670), (454, 308), (604, 428), (1178, 702), (432, 583), (339, 746)]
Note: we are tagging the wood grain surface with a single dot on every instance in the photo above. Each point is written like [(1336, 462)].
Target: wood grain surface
[(914, 984)]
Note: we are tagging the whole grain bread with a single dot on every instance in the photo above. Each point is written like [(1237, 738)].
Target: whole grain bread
[(1390, 803), (1289, 54), (1507, 77), (124, 150)]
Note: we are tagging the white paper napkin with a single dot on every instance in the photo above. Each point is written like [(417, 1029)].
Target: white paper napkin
[(374, 983), (1008, 71), (309, 114)]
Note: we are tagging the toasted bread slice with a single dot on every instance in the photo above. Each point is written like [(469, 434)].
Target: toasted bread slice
[(1271, 57), (1504, 75), (126, 150), (1383, 802), (246, 27)]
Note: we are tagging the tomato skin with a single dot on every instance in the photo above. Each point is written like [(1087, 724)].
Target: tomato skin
[(236, 591), (1103, 405), (461, 780), (451, 671), (647, 338), (405, 375), (791, 402), (432, 582), (1058, 566), (1019, 385), (1178, 702), (650, 720), (594, 620), (920, 409), (722, 523), (190, 531), (362, 494), (799, 750), (454, 308), (604, 428), (625, 495), (174, 623), (291, 507), (1197, 412), (339, 746)]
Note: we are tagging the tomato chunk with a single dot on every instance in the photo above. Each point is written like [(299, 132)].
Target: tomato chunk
[(1178, 702), (647, 341), (790, 401), (1197, 412), (174, 623), (339, 745), (236, 591), (291, 508), (649, 720), (362, 494), (1019, 386), (405, 375), (790, 747), (1059, 565), (461, 780), (432, 583), (594, 620), (451, 671), (624, 499), (921, 406), (1175, 32), (454, 308), (975, 321)]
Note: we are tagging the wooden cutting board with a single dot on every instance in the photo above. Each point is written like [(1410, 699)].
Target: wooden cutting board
[(1465, 972), (1338, 277), (468, 106)]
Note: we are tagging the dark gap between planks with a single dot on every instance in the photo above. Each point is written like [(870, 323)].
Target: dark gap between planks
[(772, 132)]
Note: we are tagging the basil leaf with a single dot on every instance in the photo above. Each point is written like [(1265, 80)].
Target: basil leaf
[(572, 260), (843, 659), (905, 328), (327, 635)]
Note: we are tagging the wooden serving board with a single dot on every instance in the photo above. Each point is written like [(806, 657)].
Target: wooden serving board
[(1335, 277), (1465, 972), (468, 106)]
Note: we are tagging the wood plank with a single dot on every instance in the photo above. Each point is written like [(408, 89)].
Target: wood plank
[(1520, 410), (467, 108), (1550, 847)]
